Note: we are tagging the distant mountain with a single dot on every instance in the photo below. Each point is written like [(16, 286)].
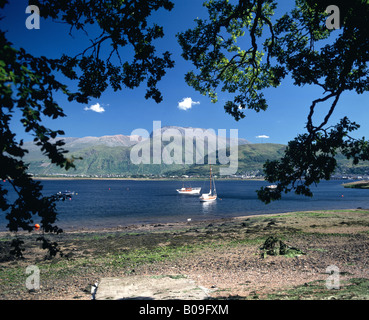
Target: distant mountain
[(110, 155), (251, 158), (73, 144), (188, 130), (104, 160), (109, 141)]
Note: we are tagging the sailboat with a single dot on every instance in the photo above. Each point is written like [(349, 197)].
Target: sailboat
[(212, 195), (189, 190)]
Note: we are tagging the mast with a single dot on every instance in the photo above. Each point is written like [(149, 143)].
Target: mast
[(210, 180)]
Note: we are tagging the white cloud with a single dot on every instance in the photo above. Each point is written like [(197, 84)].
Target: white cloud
[(263, 136), (187, 103), (96, 108)]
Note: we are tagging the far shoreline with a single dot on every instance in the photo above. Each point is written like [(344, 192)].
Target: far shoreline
[(141, 179), (352, 181)]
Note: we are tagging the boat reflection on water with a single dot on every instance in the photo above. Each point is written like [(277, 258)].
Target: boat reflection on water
[(208, 206)]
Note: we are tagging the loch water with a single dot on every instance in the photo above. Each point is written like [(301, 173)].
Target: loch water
[(111, 203)]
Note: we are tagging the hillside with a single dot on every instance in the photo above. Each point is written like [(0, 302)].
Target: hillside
[(110, 156), (104, 160), (251, 158), (100, 160)]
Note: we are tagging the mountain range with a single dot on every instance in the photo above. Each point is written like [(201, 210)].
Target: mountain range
[(111, 155)]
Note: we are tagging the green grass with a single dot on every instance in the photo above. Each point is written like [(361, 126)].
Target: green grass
[(353, 289), (178, 276), (126, 252), (12, 279), (357, 185), (112, 261)]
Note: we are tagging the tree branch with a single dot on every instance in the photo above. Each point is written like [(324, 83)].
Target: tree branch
[(310, 126)]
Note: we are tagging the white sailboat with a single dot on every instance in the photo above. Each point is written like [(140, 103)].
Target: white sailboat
[(190, 190), (212, 195)]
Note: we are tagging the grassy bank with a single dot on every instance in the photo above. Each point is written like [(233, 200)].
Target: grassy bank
[(357, 185), (223, 255)]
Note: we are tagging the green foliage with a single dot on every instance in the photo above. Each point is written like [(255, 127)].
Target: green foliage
[(29, 83), (17, 250), (275, 247), (299, 45), (213, 48), (121, 23), (312, 159)]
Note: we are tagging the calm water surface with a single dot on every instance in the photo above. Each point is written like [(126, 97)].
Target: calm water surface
[(102, 203)]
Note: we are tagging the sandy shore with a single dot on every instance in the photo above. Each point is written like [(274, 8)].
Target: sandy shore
[(221, 255)]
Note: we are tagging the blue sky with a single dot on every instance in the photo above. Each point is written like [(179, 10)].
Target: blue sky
[(128, 110)]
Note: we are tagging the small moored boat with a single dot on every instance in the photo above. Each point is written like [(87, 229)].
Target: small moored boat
[(212, 195), (272, 186), (189, 190)]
